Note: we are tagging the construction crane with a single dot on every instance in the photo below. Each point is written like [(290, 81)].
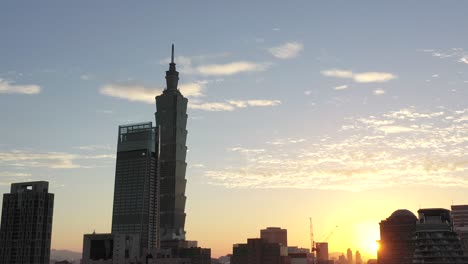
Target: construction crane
[(329, 234), (312, 242)]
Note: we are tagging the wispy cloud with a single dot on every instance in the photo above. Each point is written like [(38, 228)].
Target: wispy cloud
[(370, 77), (231, 68), (457, 54), (362, 77), (14, 174), (213, 106), (379, 92), (140, 93), (11, 88), (337, 73), (403, 147), (341, 87), (52, 160), (287, 51), (231, 105)]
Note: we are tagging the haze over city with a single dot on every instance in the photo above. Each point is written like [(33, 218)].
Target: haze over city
[(339, 111)]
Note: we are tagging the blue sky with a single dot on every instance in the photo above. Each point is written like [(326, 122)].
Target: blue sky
[(335, 99)]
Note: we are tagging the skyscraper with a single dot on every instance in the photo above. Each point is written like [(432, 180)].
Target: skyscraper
[(135, 191), (26, 226), (171, 119)]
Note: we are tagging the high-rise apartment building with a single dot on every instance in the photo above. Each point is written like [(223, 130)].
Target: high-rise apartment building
[(396, 238), (135, 208), (275, 235), (171, 119), (25, 231)]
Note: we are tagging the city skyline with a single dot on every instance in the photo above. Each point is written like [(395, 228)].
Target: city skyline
[(329, 117)]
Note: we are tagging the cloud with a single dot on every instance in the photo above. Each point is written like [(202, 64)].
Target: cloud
[(231, 68), (11, 88), (140, 93), (379, 92), (231, 105), (308, 92), (337, 73), (14, 174), (52, 160), (464, 59), (85, 77), (369, 77), (363, 77), (287, 51), (245, 103), (405, 147), (341, 87), (213, 107)]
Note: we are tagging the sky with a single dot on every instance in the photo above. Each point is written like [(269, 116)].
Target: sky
[(343, 111)]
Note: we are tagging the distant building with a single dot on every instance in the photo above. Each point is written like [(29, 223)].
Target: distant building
[(322, 251), (358, 258), (460, 224), (275, 235), (396, 238), (110, 248), (135, 191), (26, 227), (259, 251), (349, 255), (435, 240)]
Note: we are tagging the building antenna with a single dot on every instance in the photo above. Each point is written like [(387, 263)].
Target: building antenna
[(172, 54)]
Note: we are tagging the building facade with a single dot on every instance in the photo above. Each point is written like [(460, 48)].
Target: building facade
[(460, 224), (171, 119), (26, 227), (110, 249), (321, 249), (259, 251), (435, 240), (275, 235), (396, 243), (135, 208)]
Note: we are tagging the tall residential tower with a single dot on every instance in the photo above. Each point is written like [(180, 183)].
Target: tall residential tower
[(171, 119), (26, 226)]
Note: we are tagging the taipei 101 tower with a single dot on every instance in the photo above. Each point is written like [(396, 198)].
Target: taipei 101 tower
[(171, 119)]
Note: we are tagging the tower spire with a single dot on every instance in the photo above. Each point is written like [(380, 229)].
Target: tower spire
[(172, 76), (172, 54)]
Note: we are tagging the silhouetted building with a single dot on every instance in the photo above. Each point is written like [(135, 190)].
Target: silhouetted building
[(259, 251), (135, 208), (321, 249), (396, 238), (26, 227), (460, 224), (298, 258), (171, 118), (435, 240), (349, 255), (110, 248), (275, 235), (358, 257)]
